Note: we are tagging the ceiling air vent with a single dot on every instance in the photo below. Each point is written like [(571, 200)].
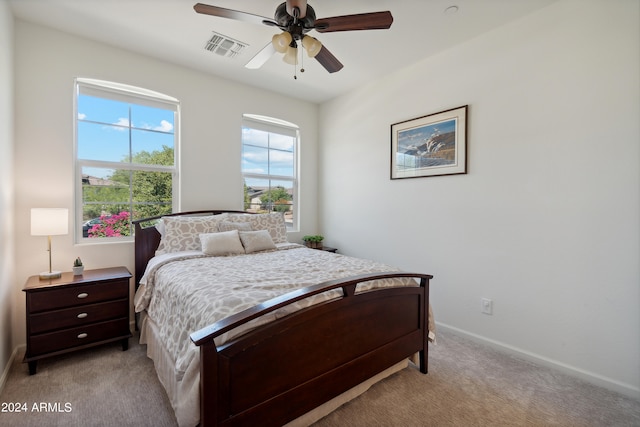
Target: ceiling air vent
[(224, 46)]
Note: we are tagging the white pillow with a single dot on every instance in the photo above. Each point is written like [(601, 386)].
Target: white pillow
[(255, 241), (160, 226), (162, 230), (222, 243)]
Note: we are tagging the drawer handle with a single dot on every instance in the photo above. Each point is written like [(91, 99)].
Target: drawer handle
[(82, 315), (83, 295), (83, 335)]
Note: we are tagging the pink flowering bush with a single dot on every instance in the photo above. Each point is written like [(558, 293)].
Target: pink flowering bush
[(112, 226)]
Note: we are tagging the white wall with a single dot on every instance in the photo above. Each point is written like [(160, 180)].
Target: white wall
[(7, 277), (47, 62), (546, 221)]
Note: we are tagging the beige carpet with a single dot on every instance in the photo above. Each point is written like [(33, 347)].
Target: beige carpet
[(468, 385)]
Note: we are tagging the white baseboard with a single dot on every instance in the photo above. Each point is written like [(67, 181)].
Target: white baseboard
[(5, 371), (599, 380)]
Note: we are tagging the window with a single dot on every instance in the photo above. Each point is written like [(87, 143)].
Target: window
[(269, 153), (126, 142)]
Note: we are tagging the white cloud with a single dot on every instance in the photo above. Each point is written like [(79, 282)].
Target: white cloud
[(121, 124), (82, 116), (165, 126), (122, 121), (256, 170)]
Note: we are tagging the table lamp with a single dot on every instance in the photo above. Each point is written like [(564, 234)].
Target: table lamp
[(49, 222)]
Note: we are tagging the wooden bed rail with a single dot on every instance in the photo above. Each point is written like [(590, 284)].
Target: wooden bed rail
[(227, 324)]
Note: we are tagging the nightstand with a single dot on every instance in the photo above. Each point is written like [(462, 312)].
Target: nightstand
[(76, 312)]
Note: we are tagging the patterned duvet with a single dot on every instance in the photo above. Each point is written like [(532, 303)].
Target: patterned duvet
[(184, 292)]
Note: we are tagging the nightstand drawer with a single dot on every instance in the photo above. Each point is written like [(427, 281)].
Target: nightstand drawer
[(78, 316), (63, 340), (69, 296)]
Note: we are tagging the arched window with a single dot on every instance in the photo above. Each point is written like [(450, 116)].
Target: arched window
[(269, 167), (126, 148)]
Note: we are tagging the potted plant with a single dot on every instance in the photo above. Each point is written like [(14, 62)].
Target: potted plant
[(78, 268), (313, 241)]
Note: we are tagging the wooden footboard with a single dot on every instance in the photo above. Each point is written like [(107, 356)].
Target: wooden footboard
[(282, 370)]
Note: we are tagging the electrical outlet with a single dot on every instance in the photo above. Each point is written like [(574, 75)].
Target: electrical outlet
[(486, 305)]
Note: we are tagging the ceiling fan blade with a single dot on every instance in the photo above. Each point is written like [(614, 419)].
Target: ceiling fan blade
[(362, 21), (328, 61), (206, 9), (261, 57)]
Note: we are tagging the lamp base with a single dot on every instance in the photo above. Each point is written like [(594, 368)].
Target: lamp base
[(48, 275)]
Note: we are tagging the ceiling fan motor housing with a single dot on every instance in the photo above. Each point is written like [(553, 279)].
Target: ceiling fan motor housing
[(296, 27)]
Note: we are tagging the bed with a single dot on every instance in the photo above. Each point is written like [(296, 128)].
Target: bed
[(246, 328)]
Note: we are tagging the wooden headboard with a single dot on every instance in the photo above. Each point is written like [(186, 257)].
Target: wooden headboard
[(147, 237)]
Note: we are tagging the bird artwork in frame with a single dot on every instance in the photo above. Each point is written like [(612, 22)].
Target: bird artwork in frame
[(431, 145)]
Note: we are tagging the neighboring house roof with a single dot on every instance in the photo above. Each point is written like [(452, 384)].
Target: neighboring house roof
[(94, 180)]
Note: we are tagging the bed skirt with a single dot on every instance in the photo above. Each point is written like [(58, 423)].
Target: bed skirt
[(184, 395)]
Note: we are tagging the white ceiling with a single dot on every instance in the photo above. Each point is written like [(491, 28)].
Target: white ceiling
[(172, 31)]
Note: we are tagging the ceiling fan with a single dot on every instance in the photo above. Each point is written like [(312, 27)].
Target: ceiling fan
[(296, 18)]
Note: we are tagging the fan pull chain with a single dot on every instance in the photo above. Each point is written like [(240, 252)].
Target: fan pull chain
[(295, 71)]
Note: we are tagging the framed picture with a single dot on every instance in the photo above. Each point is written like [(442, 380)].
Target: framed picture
[(430, 145)]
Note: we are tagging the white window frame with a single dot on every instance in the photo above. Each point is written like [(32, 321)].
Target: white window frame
[(283, 127), (133, 95)]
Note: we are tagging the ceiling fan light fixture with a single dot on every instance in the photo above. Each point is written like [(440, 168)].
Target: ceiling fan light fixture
[(291, 56), (312, 45), (281, 41)]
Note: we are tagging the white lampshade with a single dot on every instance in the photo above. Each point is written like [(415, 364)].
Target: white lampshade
[(291, 57), (312, 46), (49, 221), (281, 41)]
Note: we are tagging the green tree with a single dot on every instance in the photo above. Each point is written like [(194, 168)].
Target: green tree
[(104, 197), (276, 199), (151, 192), (247, 200)]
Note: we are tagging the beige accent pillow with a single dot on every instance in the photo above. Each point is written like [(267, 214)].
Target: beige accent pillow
[(182, 233), (228, 226), (221, 243), (272, 222), (255, 241)]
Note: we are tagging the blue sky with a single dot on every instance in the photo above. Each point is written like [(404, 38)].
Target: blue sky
[(265, 152), (108, 139), (418, 135)]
